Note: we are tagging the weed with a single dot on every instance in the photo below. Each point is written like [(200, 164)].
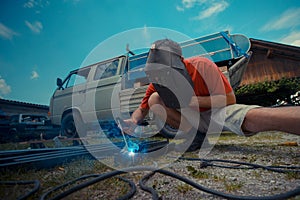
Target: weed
[(184, 188), (233, 186), (252, 158), (256, 174), (196, 173), (219, 178), (292, 175)]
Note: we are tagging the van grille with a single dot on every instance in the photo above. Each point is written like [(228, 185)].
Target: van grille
[(130, 99)]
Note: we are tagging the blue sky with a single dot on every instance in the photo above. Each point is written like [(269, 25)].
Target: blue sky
[(41, 40)]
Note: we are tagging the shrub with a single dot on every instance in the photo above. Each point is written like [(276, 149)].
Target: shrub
[(267, 93)]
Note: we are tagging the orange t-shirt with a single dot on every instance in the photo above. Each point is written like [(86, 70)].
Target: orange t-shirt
[(207, 78)]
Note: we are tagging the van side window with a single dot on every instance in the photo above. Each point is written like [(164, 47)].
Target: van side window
[(77, 78), (105, 70)]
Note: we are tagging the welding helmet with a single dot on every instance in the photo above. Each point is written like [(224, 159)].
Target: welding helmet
[(166, 71)]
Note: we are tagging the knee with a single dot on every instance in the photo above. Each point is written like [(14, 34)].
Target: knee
[(155, 99)]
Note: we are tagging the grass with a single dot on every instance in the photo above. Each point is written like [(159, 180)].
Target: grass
[(50, 178), (30, 144), (293, 175), (233, 186), (184, 188), (197, 173)]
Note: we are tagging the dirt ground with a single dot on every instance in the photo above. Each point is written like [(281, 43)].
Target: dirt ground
[(268, 149)]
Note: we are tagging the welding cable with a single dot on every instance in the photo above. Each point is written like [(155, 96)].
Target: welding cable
[(210, 162), (151, 190), (286, 167), (99, 177), (237, 166), (132, 189), (286, 195), (28, 194), (67, 184), (111, 174)]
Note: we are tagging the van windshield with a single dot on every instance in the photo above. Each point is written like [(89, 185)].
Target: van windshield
[(77, 78)]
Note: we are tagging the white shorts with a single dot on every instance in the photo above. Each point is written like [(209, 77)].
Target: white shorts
[(229, 118)]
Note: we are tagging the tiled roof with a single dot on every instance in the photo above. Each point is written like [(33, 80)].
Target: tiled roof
[(12, 102)]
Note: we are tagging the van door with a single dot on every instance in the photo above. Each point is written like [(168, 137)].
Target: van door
[(71, 94), (102, 94)]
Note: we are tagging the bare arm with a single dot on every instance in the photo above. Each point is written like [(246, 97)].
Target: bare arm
[(139, 115), (136, 118)]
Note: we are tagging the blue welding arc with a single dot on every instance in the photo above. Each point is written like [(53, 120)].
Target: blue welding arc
[(132, 146)]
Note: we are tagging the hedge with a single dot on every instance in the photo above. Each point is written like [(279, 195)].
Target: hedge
[(267, 93)]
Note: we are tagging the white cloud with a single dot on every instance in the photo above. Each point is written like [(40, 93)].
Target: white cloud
[(179, 8), (29, 4), (292, 39), (187, 4), (208, 8), (213, 9), (35, 27), (296, 43), (34, 75), (36, 3), (288, 19), (6, 32), (4, 88)]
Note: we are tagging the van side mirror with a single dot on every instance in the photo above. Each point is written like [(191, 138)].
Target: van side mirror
[(59, 83)]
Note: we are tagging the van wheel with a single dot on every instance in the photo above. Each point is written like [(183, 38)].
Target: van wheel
[(68, 127)]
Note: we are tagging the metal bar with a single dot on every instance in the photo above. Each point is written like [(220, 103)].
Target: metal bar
[(41, 158), (203, 41)]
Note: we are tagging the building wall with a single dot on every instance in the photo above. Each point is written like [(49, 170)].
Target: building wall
[(271, 61)]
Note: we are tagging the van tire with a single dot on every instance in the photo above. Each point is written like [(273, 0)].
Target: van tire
[(68, 127)]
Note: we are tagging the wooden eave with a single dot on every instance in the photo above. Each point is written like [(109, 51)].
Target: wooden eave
[(273, 49)]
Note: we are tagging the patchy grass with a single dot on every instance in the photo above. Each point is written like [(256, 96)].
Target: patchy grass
[(256, 174), (233, 186), (263, 148), (184, 188), (197, 173), (13, 146), (33, 144), (293, 175), (219, 178), (50, 178), (265, 138)]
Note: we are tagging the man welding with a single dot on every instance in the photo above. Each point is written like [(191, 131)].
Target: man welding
[(182, 90)]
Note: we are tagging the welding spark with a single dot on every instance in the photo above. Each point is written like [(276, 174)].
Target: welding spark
[(131, 153)]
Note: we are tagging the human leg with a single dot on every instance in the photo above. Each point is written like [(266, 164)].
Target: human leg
[(234, 118), (172, 116), (286, 119), (193, 137)]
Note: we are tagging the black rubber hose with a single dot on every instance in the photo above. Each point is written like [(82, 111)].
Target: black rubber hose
[(286, 195), (151, 190), (132, 189), (280, 169), (66, 184), (28, 194), (90, 182)]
